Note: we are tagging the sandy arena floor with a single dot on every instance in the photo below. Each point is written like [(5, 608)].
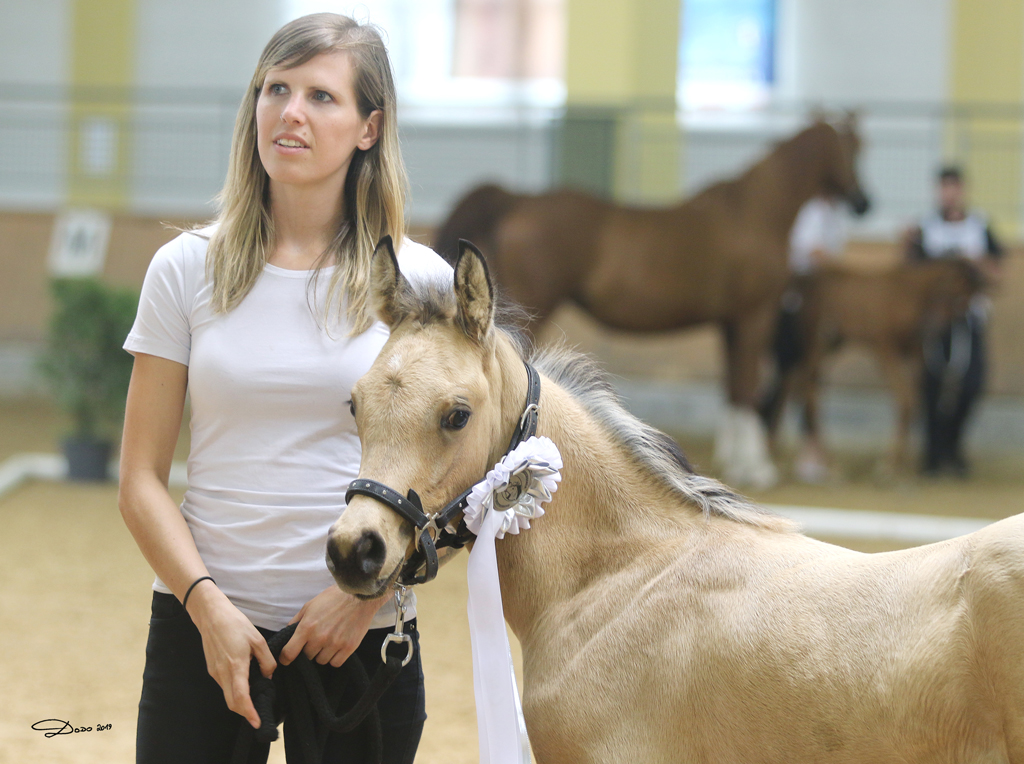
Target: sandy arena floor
[(74, 596)]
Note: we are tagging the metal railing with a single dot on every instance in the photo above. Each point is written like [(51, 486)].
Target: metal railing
[(169, 150)]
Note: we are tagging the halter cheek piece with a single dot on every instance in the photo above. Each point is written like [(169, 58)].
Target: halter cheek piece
[(434, 531)]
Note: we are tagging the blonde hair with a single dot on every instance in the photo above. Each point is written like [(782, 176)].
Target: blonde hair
[(374, 189)]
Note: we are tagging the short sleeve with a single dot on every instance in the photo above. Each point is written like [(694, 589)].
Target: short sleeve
[(993, 247), (420, 264), (161, 326)]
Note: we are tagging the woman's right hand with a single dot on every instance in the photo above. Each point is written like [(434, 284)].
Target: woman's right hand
[(229, 641)]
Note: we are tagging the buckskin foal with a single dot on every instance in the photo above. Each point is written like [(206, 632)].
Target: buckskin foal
[(662, 617)]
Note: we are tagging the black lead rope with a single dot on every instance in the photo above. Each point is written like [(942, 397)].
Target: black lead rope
[(296, 691)]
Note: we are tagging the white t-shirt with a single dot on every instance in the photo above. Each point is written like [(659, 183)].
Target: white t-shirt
[(274, 446), (820, 225)]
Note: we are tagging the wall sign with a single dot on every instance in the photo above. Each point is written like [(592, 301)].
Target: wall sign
[(79, 243)]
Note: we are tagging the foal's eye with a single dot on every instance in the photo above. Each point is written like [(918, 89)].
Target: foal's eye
[(352, 408), (456, 420)]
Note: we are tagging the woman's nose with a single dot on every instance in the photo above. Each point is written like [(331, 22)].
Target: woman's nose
[(293, 112)]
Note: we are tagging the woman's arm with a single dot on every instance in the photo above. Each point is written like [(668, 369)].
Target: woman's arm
[(156, 400)]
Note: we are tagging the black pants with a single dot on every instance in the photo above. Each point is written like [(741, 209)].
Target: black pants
[(954, 374), (183, 718)]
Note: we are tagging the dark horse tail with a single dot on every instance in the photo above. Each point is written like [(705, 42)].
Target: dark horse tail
[(474, 219)]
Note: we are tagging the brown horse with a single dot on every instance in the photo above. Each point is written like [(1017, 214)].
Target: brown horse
[(662, 617), (719, 256), (890, 313)]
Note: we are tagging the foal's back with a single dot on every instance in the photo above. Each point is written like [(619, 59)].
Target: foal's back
[(786, 649)]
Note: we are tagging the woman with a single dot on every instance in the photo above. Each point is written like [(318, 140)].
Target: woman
[(265, 317)]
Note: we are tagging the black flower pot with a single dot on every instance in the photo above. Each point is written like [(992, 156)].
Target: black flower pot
[(87, 459)]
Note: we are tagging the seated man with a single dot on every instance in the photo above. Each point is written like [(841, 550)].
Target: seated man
[(954, 368)]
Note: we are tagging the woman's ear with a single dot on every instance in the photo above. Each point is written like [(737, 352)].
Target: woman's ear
[(387, 283), (371, 133), (474, 292)]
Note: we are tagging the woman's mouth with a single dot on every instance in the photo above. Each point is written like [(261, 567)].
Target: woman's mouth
[(290, 144)]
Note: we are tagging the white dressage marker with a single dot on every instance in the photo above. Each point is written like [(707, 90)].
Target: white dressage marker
[(21, 467)]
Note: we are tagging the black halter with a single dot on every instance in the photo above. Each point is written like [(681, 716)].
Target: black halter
[(434, 531)]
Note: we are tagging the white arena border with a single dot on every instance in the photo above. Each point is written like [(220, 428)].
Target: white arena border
[(21, 467), (864, 525)]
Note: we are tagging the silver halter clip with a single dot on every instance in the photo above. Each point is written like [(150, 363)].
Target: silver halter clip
[(398, 635)]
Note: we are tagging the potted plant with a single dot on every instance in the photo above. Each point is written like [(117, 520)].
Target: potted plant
[(87, 368)]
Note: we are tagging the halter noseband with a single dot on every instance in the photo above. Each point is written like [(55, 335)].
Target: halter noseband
[(411, 508)]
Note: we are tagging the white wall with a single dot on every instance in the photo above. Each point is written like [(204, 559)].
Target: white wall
[(861, 51), (202, 43), (34, 41), (34, 61)]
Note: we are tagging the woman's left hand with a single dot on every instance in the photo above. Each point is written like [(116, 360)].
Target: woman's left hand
[(331, 626)]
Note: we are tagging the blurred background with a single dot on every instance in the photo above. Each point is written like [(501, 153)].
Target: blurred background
[(116, 119), (127, 107)]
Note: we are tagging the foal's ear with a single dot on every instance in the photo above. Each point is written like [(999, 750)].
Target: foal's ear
[(474, 292), (386, 283)]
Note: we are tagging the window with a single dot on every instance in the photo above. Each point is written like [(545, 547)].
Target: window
[(465, 52), (726, 54)]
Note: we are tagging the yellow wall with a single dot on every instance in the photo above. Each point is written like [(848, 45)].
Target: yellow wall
[(987, 67), (102, 72), (621, 58)]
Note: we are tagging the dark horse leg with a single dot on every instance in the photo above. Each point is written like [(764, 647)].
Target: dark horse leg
[(788, 351), (742, 447), (899, 373)]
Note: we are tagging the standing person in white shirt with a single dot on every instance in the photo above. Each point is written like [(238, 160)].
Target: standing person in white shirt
[(954, 361), (265, 318), (818, 236)]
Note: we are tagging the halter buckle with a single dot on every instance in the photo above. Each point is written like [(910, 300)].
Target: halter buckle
[(431, 528), (531, 408)]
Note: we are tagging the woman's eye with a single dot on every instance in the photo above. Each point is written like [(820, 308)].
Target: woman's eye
[(320, 95), (276, 89), (456, 420)]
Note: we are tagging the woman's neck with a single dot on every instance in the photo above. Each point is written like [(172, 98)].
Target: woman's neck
[(305, 222)]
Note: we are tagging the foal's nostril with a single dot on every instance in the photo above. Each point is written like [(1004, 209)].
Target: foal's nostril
[(369, 554), (356, 564)]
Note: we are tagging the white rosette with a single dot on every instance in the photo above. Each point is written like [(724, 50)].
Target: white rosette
[(503, 502), (517, 486)]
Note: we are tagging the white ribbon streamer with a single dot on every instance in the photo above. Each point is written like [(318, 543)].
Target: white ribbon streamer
[(503, 502)]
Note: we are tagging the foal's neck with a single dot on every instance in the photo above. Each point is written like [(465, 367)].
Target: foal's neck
[(605, 513)]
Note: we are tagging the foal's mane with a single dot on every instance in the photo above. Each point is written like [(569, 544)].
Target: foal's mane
[(434, 302), (652, 449)]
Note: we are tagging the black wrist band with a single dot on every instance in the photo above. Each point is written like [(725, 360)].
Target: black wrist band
[(184, 602)]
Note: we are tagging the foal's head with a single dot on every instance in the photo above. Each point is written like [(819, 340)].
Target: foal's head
[(429, 411)]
